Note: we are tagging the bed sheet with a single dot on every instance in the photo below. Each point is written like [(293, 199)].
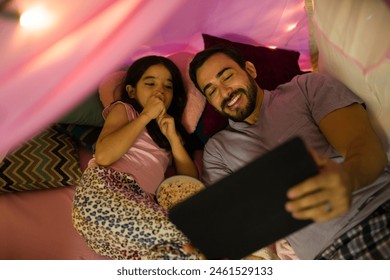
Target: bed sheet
[(37, 225)]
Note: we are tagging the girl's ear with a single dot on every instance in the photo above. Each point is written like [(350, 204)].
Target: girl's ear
[(251, 69), (130, 91)]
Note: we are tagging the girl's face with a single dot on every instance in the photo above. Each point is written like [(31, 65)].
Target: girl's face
[(156, 81)]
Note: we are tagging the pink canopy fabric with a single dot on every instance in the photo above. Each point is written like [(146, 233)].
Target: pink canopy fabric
[(46, 71)]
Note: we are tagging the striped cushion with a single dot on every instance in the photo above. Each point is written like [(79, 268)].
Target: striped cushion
[(48, 160)]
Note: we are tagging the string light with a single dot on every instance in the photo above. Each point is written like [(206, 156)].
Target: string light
[(291, 27), (35, 18)]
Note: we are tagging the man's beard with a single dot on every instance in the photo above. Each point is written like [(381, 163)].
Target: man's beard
[(242, 114)]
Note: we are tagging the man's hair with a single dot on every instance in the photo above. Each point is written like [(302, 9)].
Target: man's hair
[(204, 55)]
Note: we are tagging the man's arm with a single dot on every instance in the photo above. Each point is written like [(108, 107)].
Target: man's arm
[(349, 131)]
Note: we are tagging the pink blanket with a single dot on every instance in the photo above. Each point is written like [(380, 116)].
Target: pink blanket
[(47, 69), (37, 225)]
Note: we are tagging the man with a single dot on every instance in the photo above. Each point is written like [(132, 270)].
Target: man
[(349, 199)]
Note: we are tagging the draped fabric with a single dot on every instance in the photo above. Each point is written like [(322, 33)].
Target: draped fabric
[(46, 71), (353, 41)]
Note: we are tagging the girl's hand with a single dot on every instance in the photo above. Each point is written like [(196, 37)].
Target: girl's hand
[(154, 108), (167, 126), (322, 197)]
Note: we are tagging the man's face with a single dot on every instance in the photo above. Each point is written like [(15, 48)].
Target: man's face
[(227, 87)]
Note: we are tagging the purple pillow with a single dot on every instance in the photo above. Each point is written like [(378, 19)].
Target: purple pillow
[(274, 67)]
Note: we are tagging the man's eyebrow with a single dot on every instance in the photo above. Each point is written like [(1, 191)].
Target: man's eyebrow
[(219, 74)]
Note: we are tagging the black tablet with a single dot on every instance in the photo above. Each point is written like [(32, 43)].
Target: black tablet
[(244, 211)]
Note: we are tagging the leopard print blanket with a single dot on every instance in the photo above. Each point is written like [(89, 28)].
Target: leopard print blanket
[(120, 221)]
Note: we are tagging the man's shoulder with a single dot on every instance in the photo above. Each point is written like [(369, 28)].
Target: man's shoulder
[(315, 77), (311, 81), (218, 138)]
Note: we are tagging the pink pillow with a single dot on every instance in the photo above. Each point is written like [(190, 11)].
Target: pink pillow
[(195, 99), (109, 91), (110, 88)]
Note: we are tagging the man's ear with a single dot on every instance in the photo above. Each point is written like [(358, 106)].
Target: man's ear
[(130, 91), (251, 69)]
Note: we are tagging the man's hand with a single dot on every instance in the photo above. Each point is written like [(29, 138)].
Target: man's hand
[(321, 197)]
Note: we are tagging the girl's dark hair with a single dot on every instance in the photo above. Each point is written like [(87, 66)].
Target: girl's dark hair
[(179, 99), (202, 56)]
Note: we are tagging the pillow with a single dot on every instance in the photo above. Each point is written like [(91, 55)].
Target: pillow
[(274, 67), (109, 88), (195, 99), (88, 112), (84, 135), (48, 160), (363, 68), (109, 91)]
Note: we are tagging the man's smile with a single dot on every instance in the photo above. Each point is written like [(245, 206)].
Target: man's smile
[(233, 101)]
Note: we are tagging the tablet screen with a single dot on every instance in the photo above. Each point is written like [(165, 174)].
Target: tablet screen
[(244, 211)]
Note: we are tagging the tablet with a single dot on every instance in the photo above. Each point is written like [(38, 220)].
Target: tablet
[(245, 211)]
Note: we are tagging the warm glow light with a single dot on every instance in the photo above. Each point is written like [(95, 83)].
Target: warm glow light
[(272, 47), (35, 18), (291, 27)]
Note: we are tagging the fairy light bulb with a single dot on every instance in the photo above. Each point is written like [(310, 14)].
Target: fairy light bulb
[(291, 27), (35, 18)]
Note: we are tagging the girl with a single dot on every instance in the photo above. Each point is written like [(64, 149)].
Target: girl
[(113, 207)]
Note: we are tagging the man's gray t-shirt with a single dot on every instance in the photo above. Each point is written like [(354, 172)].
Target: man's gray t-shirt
[(293, 109)]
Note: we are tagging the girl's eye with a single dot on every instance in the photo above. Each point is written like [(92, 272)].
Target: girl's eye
[(169, 86), (149, 84)]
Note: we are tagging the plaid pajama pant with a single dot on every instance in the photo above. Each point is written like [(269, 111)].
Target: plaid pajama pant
[(369, 240)]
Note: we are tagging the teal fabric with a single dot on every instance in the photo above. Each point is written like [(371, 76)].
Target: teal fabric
[(89, 112), (84, 135)]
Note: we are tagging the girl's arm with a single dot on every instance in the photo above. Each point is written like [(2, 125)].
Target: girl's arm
[(118, 135), (183, 163)]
